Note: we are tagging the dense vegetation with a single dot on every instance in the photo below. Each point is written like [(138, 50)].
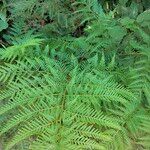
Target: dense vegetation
[(75, 74)]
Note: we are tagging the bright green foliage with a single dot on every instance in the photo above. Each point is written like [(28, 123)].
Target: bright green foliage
[(78, 82)]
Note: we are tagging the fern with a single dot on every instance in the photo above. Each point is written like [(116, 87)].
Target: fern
[(75, 76), (48, 102)]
